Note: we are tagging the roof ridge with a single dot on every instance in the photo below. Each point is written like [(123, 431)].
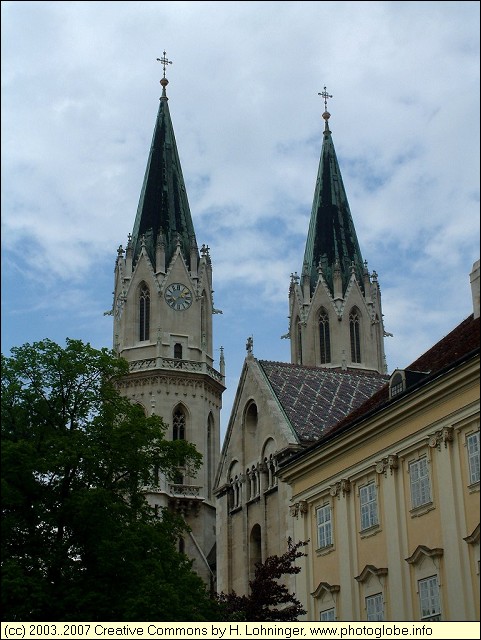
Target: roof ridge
[(348, 371)]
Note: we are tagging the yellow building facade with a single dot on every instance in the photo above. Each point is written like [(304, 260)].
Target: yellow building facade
[(389, 498)]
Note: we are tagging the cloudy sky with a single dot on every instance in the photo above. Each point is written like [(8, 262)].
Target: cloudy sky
[(80, 89)]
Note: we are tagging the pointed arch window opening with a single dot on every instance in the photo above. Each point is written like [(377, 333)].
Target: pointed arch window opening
[(355, 334), (179, 424), (299, 342), (181, 545), (178, 433), (324, 337), (210, 453), (144, 313), (203, 322)]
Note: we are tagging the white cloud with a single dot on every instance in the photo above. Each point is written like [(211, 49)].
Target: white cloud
[(79, 99)]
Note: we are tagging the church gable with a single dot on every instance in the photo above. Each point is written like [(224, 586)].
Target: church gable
[(257, 429), (322, 297), (354, 297), (177, 271)]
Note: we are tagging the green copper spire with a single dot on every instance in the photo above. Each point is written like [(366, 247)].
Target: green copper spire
[(331, 240), (163, 213)]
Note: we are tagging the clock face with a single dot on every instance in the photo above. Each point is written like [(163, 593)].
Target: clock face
[(178, 296)]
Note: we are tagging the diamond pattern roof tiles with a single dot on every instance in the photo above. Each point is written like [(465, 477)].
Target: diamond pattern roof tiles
[(315, 398)]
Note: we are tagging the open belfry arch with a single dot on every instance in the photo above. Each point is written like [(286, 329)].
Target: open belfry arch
[(162, 325)]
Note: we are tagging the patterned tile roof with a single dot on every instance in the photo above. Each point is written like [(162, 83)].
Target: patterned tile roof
[(314, 398), (456, 345)]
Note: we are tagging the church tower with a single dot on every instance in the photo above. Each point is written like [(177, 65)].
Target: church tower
[(335, 305), (163, 308)]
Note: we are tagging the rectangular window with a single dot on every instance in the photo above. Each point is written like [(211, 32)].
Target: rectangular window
[(327, 615), (375, 607), (324, 526), (420, 487), (429, 602), (368, 498), (472, 443)]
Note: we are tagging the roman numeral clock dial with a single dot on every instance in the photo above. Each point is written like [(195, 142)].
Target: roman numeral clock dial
[(178, 296)]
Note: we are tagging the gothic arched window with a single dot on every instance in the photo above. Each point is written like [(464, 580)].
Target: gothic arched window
[(210, 453), (144, 312), (203, 321), (324, 336), (355, 333), (179, 424), (181, 545), (179, 420), (299, 341)]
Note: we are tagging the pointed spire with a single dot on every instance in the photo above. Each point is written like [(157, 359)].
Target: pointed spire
[(129, 256), (332, 236), (222, 362), (163, 205)]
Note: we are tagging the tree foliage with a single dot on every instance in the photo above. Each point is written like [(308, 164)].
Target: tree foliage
[(79, 540), (269, 600)]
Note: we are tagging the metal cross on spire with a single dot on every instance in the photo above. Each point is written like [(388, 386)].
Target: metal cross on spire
[(165, 61), (323, 94)]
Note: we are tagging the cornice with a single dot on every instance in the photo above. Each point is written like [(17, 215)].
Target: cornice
[(325, 586), (153, 378), (423, 551), (370, 570)]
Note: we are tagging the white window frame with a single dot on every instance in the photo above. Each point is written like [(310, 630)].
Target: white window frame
[(420, 482), (375, 607), (472, 445), (429, 598), (368, 506), (324, 526), (328, 615)]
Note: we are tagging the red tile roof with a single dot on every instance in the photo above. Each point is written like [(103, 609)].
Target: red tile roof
[(454, 347), (458, 343)]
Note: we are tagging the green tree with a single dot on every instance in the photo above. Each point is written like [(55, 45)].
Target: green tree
[(269, 600), (79, 541)]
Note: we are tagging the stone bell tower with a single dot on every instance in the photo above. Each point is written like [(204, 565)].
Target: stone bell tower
[(162, 309), (335, 309)]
